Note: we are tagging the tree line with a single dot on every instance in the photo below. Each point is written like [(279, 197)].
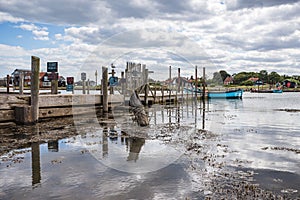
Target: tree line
[(242, 78)]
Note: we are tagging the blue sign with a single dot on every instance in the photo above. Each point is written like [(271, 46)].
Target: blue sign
[(113, 81), (70, 88)]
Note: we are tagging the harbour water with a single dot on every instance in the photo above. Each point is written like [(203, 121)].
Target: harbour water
[(220, 149)]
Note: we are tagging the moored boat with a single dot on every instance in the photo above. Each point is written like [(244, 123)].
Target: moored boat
[(233, 94), (277, 91)]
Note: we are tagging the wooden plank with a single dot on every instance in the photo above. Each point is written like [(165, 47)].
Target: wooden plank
[(7, 115), (63, 112), (47, 101), (8, 102)]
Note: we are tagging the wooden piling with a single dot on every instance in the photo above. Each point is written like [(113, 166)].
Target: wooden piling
[(170, 78), (21, 83), (7, 83), (88, 86), (123, 83), (83, 87), (35, 73), (104, 88), (203, 85), (196, 81), (146, 87), (54, 87)]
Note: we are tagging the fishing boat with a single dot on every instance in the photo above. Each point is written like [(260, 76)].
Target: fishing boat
[(232, 94)]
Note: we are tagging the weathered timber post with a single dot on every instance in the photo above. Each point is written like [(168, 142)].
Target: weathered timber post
[(146, 87), (35, 86), (170, 77), (35, 159), (54, 87), (7, 83), (123, 83), (196, 81), (104, 89), (203, 85), (21, 83), (126, 78), (83, 87), (88, 86), (162, 94)]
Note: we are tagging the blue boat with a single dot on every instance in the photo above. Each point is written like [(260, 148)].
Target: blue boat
[(233, 94), (277, 91)]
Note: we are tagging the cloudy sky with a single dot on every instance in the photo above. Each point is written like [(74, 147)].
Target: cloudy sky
[(84, 35)]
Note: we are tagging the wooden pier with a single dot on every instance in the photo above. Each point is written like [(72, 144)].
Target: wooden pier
[(13, 108)]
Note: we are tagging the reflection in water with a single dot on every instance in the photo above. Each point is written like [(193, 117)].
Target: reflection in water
[(53, 146), (135, 146), (36, 165)]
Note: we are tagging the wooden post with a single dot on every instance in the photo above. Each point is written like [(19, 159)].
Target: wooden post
[(54, 87), (123, 83), (170, 77), (88, 86), (104, 89), (126, 79), (83, 86), (7, 83), (203, 85), (21, 84), (35, 86), (162, 94), (146, 87), (196, 81)]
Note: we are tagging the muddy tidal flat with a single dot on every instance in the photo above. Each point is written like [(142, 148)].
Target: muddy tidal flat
[(222, 149)]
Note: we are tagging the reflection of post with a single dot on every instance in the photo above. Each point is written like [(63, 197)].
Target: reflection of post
[(36, 165), (21, 83), (135, 146), (53, 146), (104, 142)]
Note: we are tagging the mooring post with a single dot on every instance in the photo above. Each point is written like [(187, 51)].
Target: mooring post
[(21, 83), (54, 83), (196, 81), (83, 87), (35, 82), (88, 86), (104, 89), (146, 87), (123, 83), (170, 81), (7, 83), (203, 85)]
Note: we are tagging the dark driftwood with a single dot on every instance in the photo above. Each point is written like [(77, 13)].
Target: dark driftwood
[(138, 110)]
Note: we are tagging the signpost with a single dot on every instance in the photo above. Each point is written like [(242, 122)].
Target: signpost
[(52, 66), (70, 84), (52, 69)]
